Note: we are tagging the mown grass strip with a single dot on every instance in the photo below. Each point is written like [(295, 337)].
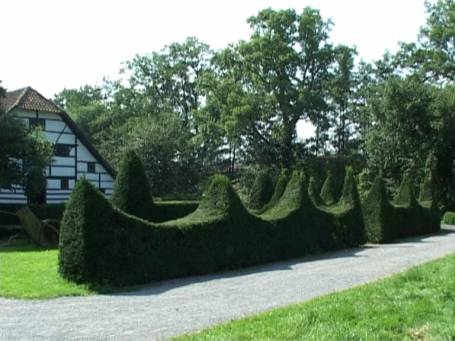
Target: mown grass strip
[(30, 272), (418, 304)]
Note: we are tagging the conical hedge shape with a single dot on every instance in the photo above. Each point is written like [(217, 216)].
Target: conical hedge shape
[(220, 197), (350, 195), (280, 187), (378, 213), (262, 191), (313, 191), (405, 195), (328, 193), (427, 188), (131, 192), (86, 217), (355, 227)]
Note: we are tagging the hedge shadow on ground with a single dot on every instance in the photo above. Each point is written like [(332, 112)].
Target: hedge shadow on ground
[(99, 244)]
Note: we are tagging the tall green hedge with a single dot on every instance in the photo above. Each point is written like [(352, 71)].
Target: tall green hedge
[(131, 192), (262, 191), (101, 244)]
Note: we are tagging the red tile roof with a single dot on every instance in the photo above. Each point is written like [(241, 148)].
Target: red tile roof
[(28, 99)]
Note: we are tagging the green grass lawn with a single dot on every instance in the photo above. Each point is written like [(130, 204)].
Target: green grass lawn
[(418, 304), (30, 272)]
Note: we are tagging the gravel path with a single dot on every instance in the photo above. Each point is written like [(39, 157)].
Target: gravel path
[(179, 306)]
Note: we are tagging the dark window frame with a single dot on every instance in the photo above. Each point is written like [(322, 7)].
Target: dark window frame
[(64, 183), (58, 152), (91, 167), (33, 122)]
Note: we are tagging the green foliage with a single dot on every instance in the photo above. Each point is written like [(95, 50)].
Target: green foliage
[(378, 213), (171, 210), (131, 191), (405, 195), (328, 194), (280, 187), (262, 190), (313, 192), (18, 143), (100, 244), (449, 218), (167, 154), (407, 217), (35, 185)]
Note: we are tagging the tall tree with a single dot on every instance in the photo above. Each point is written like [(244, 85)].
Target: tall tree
[(285, 64)]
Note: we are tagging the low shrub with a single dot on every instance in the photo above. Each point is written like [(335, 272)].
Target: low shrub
[(449, 218)]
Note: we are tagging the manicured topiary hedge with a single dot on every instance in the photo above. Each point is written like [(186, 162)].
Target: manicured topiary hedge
[(131, 192), (101, 244), (261, 192), (385, 221)]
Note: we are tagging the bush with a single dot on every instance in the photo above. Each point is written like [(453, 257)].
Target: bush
[(328, 195), (261, 192), (131, 192), (449, 218)]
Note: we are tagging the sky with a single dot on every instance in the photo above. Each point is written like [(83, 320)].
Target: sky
[(54, 44)]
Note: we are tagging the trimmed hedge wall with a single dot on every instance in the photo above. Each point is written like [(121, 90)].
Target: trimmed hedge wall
[(385, 221), (99, 244), (171, 210)]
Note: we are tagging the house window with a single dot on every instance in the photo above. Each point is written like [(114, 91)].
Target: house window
[(91, 167), (64, 183), (103, 190), (62, 150), (34, 122)]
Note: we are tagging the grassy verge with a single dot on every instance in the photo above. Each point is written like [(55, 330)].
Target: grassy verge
[(418, 304), (30, 272)]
